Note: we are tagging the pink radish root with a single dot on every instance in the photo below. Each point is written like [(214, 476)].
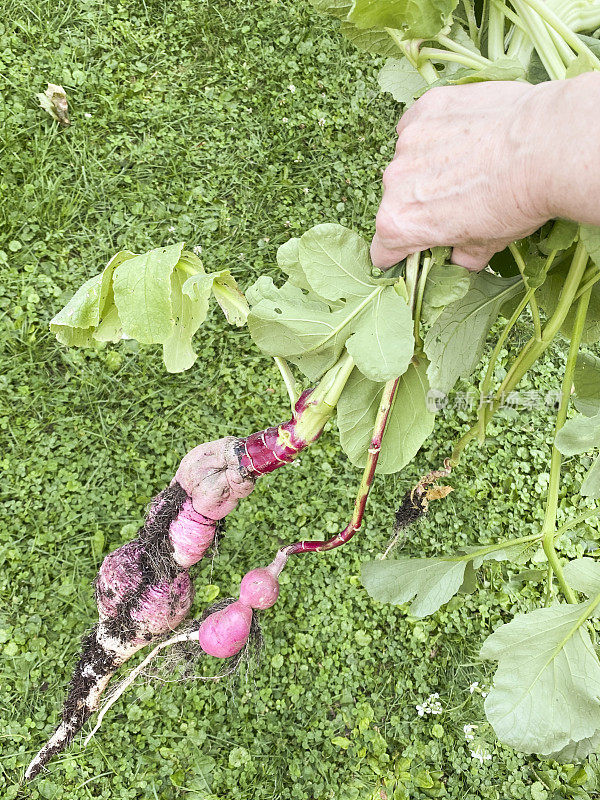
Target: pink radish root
[(143, 589)]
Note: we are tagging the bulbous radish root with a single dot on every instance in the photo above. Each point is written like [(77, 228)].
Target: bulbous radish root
[(143, 590), (225, 629), (225, 632)]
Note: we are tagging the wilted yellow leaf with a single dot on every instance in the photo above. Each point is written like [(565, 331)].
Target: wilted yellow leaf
[(54, 101)]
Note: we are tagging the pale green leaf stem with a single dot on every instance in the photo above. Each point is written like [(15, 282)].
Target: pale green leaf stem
[(533, 349), (549, 525), (563, 30), (535, 312)]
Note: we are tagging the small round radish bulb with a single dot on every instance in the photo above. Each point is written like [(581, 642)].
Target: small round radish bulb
[(224, 633), (259, 588)]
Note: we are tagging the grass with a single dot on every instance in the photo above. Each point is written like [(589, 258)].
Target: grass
[(185, 125)]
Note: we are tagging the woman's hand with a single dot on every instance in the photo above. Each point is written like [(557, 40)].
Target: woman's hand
[(480, 165)]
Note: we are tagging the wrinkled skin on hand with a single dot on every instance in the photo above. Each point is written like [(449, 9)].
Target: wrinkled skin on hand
[(211, 475), (481, 165)]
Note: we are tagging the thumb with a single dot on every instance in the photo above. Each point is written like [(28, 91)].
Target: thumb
[(384, 257), (473, 258)]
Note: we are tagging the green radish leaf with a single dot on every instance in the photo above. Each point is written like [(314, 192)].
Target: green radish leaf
[(289, 261), (198, 288), (383, 343), (591, 483), (583, 574), (409, 424), (590, 236), (548, 296), (336, 262), (445, 284), (142, 287), (344, 305), (372, 40), (285, 322), (561, 237), (75, 323), (229, 297), (224, 287), (579, 435), (405, 84), (503, 69), (423, 20), (189, 314), (455, 342), (430, 581), (403, 81), (544, 657), (575, 752), (356, 413), (587, 384), (337, 8), (516, 554), (110, 328)]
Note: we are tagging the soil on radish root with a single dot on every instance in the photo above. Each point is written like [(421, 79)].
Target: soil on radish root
[(412, 508), (157, 564)]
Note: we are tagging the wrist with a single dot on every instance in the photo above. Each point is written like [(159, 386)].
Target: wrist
[(564, 125)]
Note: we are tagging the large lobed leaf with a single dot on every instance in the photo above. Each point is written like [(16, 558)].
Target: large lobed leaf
[(417, 19), (455, 342), (430, 581), (410, 421), (547, 684), (75, 324), (329, 302), (161, 296)]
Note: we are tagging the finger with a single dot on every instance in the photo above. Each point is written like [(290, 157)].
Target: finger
[(473, 258), (384, 257)]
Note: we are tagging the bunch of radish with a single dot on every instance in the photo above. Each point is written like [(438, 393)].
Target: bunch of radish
[(143, 589)]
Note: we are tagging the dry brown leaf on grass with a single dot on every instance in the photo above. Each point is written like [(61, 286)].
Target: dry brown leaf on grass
[(438, 492), (54, 101)]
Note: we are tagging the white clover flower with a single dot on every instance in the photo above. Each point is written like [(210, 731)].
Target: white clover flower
[(292, 88), (287, 223), (469, 732), (171, 229), (431, 706), (197, 249), (305, 190), (322, 122), (284, 119), (87, 115), (481, 755), (474, 686)]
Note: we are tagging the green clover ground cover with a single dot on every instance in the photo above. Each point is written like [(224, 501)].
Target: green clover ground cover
[(233, 126)]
